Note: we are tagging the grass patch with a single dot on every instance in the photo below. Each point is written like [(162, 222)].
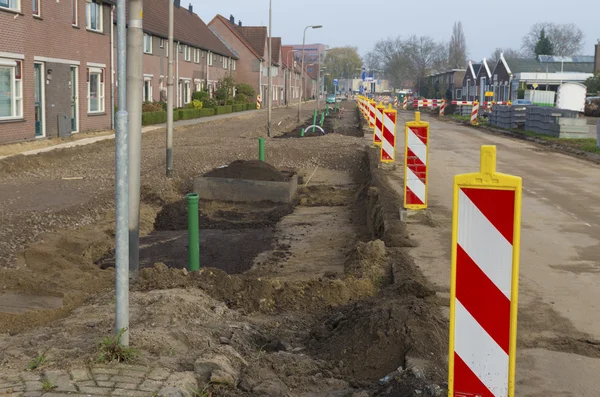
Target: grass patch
[(37, 362), (584, 144), (110, 349), (47, 384)]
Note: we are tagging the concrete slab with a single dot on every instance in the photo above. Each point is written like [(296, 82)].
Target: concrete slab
[(244, 190)]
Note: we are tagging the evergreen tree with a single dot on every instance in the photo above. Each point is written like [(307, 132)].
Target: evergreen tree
[(544, 45)]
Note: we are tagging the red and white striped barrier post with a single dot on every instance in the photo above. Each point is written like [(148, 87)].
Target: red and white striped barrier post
[(396, 102), (475, 113), (388, 145), (378, 133), (486, 227), (372, 105), (416, 153), (405, 103), (443, 108), (258, 101)]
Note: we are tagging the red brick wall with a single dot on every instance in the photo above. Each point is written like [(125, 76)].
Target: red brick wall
[(53, 36)]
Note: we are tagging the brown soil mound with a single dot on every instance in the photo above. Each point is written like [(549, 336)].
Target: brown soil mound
[(255, 170)]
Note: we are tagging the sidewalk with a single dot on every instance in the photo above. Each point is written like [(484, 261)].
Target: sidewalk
[(99, 381), (176, 124)]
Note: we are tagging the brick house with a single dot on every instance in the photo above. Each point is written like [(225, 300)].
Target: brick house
[(292, 75), (249, 65), (483, 81), (202, 58), (469, 83), (55, 68)]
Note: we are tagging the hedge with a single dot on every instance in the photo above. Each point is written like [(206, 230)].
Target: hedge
[(150, 118)]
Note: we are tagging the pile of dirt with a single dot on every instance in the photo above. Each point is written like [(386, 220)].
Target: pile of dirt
[(369, 260), (328, 126), (328, 196), (254, 170)]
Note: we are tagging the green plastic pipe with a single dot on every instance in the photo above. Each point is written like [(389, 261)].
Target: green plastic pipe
[(302, 132), (314, 119), (193, 232), (322, 119), (261, 149)]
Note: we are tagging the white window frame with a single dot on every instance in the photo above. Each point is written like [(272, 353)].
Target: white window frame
[(147, 40), (225, 62), (148, 94), (196, 55), (74, 13), (101, 90), (39, 9), (233, 64), (17, 86), (161, 42), (185, 83), (210, 58), (13, 5), (186, 53), (88, 21)]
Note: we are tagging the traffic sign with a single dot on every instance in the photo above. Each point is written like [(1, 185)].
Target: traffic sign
[(364, 75), (335, 82)]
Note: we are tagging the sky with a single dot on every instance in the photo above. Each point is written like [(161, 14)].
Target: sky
[(361, 23)]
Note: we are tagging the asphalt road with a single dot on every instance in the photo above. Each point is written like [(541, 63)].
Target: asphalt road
[(559, 300)]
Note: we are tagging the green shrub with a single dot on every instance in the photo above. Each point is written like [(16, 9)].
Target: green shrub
[(150, 118), (224, 109), (188, 114), (251, 106), (239, 107), (152, 107), (207, 112), (210, 103), (196, 104), (221, 94), (229, 101), (241, 98), (200, 95), (246, 89)]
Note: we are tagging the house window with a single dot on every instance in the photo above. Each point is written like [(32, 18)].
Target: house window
[(93, 10), (95, 90), (225, 63), (458, 94), (210, 58), (196, 55), (233, 64), (187, 94), (11, 4), (74, 12), (11, 89), (147, 89), (36, 8), (186, 52), (161, 43), (147, 43)]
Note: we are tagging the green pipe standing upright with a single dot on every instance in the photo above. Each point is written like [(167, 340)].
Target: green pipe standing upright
[(261, 149), (193, 232), (314, 120), (322, 119), (302, 132)]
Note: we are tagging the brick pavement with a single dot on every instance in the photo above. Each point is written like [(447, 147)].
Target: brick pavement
[(101, 380)]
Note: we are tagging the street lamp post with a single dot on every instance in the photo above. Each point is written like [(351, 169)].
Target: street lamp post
[(270, 74), (301, 80)]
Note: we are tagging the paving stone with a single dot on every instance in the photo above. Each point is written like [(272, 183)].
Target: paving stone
[(128, 386), (33, 386), (27, 376), (158, 374), (150, 385), (80, 374), (103, 377), (101, 391), (126, 379), (33, 394), (138, 368), (70, 395), (133, 373), (11, 389), (66, 386), (86, 383), (131, 393), (105, 371), (106, 383)]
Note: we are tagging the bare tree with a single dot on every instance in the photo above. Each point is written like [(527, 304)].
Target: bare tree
[(566, 39), (509, 53), (457, 49)]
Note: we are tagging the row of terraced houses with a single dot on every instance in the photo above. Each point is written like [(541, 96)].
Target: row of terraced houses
[(58, 65)]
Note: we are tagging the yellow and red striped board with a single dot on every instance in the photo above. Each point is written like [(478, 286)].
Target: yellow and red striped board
[(372, 105), (378, 133), (484, 281), (416, 153), (388, 146)]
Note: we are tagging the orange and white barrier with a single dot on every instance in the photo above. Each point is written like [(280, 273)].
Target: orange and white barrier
[(405, 103), (388, 142), (372, 105), (462, 103), (443, 108), (416, 153), (475, 113), (378, 133), (396, 102), (486, 223), (427, 103), (258, 101)]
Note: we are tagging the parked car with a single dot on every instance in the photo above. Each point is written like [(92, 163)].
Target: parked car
[(330, 98)]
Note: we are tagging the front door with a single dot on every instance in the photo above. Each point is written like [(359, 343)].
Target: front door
[(74, 99), (38, 89)]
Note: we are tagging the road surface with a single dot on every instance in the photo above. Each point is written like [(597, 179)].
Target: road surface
[(559, 300)]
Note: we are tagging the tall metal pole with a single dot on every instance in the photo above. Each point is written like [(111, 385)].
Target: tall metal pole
[(302, 75), (121, 179), (135, 43), (270, 83), (170, 93), (319, 80)]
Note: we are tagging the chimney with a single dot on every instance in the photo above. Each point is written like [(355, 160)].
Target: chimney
[(240, 22), (177, 3), (191, 8), (231, 19), (597, 58)]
